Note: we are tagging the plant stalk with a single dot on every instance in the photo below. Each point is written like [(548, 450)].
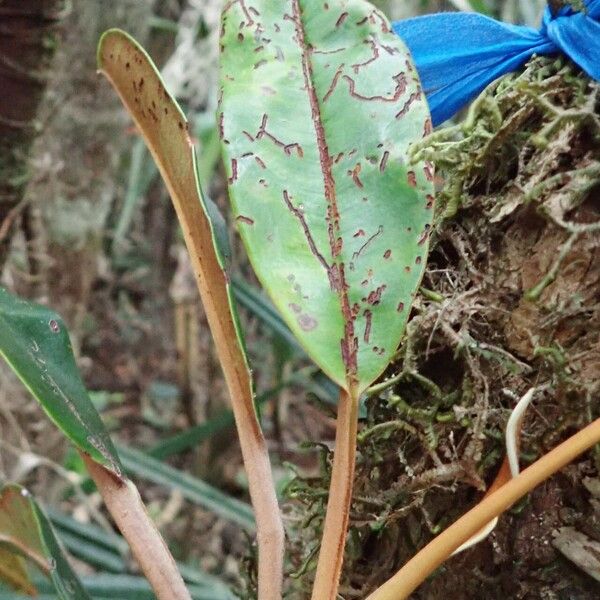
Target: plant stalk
[(147, 545), (331, 556), (269, 527), (408, 579), (169, 143)]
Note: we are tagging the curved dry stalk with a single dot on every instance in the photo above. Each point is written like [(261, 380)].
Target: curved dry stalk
[(331, 556), (164, 129), (405, 581), (147, 545)]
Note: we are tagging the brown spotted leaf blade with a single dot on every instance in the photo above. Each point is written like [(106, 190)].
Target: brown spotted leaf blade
[(319, 105)]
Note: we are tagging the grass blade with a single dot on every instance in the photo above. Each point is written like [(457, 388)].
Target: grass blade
[(193, 489)]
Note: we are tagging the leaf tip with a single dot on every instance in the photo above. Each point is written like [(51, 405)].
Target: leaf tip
[(110, 36)]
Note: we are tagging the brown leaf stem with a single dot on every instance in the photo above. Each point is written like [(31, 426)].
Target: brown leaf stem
[(331, 556), (147, 545)]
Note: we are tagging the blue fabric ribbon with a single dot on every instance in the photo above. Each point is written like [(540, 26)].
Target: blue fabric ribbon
[(459, 54)]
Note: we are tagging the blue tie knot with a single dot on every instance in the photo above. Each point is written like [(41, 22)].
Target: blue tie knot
[(459, 54)]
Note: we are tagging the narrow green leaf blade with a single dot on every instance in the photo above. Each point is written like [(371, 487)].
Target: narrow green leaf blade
[(193, 489), (25, 529), (95, 546), (319, 105), (123, 587), (35, 343)]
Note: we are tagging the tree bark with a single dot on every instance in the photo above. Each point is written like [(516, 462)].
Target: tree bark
[(27, 42)]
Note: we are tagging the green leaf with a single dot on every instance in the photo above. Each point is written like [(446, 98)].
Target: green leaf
[(26, 531), (319, 105), (35, 343)]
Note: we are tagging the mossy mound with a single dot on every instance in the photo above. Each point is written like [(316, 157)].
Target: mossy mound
[(511, 300)]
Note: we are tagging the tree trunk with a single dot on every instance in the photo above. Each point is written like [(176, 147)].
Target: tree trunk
[(76, 157), (27, 42)]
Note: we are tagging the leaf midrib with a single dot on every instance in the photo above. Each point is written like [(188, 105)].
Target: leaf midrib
[(335, 271)]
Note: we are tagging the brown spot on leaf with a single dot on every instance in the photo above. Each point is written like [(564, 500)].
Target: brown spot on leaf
[(400, 88), (404, 110), (374, 297), (384, 160), (368, 321), (341, 19), (355, 174), (307, 323), (234, 173)]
